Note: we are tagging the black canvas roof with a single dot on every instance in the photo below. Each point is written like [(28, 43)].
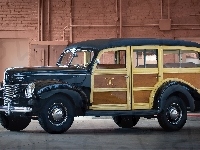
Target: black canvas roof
[(100, 44)]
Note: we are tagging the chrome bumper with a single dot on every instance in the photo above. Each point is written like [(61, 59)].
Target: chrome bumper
[(9, 109)]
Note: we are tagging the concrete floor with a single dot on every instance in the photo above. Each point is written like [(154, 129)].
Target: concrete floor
[(99, 134)]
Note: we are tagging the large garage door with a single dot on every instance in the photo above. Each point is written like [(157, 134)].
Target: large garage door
[(13, 53)]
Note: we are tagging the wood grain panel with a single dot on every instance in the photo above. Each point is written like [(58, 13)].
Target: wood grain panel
[(192, 78), (144, 80), (110, 66), (141, 96), (110, 81), (109, 98), (39, 55)]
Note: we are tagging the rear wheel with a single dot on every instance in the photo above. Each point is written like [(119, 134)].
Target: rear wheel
[(174, 114), (14, 123), (126, 121), (57, 115)]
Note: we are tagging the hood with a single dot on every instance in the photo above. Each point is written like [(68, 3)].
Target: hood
[(47, 69), (28, 74)]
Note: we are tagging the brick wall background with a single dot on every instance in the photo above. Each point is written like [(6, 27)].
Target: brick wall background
[(139, 18), (46, 23), (18, 15)]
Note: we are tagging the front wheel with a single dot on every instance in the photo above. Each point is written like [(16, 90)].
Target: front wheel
[(174, 114), (126, 121), (14, 123), (57, 115)]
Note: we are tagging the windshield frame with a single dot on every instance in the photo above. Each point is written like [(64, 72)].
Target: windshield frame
[(73, 52)]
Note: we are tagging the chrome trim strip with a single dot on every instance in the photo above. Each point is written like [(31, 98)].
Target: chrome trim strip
[(15, 109)]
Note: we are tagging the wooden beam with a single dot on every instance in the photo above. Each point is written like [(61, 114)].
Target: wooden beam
[(42, 20), (38, 20), (49, 42), (17, 34)]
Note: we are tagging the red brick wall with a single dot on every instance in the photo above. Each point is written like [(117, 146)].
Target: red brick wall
[(142, 15), (59, 18), (18, 15), (96, 12)]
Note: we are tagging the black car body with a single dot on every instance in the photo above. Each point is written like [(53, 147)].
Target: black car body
[(55, 95)]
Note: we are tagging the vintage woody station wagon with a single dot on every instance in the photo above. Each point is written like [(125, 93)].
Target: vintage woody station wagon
[(124, 78)]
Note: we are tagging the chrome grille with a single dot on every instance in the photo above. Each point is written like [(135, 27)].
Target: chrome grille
[(11, 92)]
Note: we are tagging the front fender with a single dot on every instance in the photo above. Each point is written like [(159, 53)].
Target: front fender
[(172, 89), (75, 94), (48, 90)]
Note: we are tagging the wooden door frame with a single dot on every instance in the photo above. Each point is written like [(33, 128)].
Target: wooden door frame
[(126, 71), (145, 71)]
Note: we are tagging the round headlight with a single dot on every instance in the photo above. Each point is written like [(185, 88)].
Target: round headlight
[(29, 90)]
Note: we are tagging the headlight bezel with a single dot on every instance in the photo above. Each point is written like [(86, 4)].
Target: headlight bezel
[(29, 90)]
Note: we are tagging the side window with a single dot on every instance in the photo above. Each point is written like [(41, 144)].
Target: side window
[(112, 60), (78, 59), (82, 58), (180, 59), (145, 58)]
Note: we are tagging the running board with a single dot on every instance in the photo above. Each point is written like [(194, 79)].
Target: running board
[(141, 113)]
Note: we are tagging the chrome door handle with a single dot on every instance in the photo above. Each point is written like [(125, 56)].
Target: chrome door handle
[(126, 76), (158, 76)]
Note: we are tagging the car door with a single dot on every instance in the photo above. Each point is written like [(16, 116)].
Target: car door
[(145, 75), (110, 86)]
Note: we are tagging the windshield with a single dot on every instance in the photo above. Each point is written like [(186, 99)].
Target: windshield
[(76, 58)]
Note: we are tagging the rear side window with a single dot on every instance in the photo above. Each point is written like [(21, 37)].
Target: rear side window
[(145, 58), (112, 60), (180, 59)]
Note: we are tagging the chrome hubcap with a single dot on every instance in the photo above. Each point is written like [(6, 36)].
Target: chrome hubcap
[(174, 113), (57, 114)]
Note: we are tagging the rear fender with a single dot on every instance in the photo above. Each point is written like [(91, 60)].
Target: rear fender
[(175, 89)]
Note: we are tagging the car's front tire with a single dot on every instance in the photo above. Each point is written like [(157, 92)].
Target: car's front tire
[(174, 114), (57, 114), (14, 123)]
